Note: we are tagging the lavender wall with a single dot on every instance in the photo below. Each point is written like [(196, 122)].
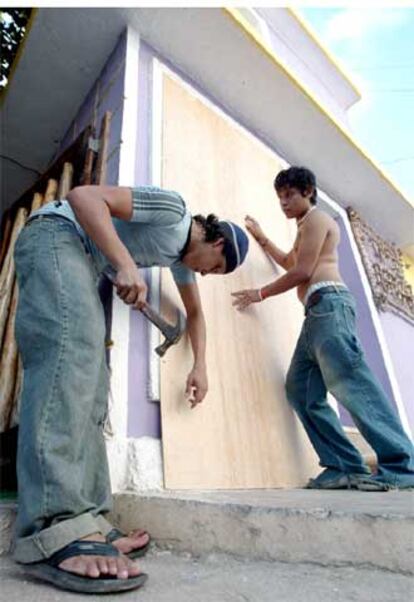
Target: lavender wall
[(400, 338), (106, 94)]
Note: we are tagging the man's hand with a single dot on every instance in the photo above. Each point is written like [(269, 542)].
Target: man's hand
[(197, 386), (255, 230), (246, 297), (131, 287)]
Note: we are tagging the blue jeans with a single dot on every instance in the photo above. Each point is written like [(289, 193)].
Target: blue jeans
[(329, 357), (63, 478)]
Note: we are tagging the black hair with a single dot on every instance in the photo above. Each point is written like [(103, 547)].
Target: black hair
[(301, 178), (211, 227)]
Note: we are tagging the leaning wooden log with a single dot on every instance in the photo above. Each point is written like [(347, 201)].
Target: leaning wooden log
[(90, 155), (8, 364), (65, 183), (51, 191), (8, 272), (101, 165), (37, 201), (5, 236)]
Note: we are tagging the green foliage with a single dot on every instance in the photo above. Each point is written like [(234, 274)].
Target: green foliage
[(13, 23)]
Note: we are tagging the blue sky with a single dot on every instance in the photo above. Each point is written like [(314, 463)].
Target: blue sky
[(376, 49)]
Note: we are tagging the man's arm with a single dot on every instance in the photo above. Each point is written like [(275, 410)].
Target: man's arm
[(197, 383), (94, 206), (285, 260), (313, 235)]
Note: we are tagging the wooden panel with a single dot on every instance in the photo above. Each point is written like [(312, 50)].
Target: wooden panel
[(244, 435)]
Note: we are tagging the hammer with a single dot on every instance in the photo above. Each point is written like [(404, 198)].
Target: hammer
[(172, 332)]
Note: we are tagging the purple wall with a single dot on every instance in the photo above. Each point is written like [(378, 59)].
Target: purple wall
[(400, 338), (106, 94)]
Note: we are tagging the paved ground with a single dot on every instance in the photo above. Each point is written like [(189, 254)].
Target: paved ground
[(220, 578)]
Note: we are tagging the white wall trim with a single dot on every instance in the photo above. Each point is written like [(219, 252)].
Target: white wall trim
[(155, 273), (120, 311), (120, 333)]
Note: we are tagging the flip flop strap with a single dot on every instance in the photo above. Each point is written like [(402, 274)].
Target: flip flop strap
[(84, 548), (374, 485), (113, 535)]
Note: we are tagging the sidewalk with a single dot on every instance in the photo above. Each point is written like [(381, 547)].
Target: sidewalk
[(220, 578)]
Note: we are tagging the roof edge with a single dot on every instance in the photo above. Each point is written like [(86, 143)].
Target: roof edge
[(312, 34), (245, 26)]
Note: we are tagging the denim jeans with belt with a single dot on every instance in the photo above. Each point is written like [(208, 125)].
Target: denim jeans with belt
[(63, 477), (329, 357)]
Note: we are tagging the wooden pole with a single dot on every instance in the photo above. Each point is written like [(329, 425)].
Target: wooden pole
[(37, 201), (51, 191), (65, 183), (8, 271), (7, 226), (8, 364), (103, 149), (90, 155)]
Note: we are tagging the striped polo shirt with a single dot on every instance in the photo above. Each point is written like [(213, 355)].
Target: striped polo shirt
[(155, 235)]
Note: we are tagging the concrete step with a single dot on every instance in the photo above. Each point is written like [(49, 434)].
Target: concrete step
[(332, 528), (222, 578)]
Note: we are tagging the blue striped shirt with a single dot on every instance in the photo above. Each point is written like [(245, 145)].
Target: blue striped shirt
[(154, 236)]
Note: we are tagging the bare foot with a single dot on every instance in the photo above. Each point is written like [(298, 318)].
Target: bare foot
[(133, 541), (94, 566)]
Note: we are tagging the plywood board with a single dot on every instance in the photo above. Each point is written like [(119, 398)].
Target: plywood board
[(244, 435)]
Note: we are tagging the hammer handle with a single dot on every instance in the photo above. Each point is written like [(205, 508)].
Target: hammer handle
[(154, 317)]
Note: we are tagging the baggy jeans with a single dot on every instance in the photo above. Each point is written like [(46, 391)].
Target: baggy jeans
[(63, 478), (329, 357)]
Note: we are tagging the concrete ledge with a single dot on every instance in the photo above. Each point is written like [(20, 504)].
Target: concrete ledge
[(335, 528)]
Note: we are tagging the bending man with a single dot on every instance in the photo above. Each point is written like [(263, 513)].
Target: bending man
[(62, 534)]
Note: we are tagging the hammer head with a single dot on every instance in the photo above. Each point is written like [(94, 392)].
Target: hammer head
[(172, 334)]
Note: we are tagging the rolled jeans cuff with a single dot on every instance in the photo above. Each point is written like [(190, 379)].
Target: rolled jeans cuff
[(45, 543), (104, 526)]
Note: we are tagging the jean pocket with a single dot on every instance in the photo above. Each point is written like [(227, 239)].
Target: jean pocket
[(323, 308), (349, 316)]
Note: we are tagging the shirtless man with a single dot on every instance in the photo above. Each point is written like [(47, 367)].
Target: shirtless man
[(328, 355)]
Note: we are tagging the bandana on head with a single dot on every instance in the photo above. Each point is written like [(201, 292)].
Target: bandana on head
[(236, 245)]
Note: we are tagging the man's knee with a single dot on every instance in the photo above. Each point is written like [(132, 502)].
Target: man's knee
[(293, 393)]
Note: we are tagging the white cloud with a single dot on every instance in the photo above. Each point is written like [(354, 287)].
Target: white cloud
[(358, 23)]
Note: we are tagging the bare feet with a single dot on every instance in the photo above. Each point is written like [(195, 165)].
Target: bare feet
[(133, 541), (94, 566)]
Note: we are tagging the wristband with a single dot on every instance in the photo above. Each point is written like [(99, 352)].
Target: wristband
[(259, 290)]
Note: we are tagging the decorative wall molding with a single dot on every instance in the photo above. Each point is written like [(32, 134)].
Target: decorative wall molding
[(384, 267)]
